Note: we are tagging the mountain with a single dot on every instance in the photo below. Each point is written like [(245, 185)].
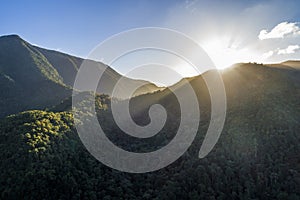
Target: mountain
[(27, 78), (256, 157), (42, 157), (292, 63), (36, 78)]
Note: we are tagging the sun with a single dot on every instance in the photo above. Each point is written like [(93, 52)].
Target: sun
[(224, 54)]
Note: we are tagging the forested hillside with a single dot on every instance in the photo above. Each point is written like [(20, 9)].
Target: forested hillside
[(27, 79), (36, 78), (256, 157)]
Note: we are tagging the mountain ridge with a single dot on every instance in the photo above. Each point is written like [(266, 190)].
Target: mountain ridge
[(35, 78)]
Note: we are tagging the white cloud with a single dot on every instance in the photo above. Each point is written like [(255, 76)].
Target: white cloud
[(280, 31), (226, 34), (268, 54), (289, 50)]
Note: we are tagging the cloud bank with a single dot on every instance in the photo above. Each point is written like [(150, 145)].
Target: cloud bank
[(281, 30), (289, 50)]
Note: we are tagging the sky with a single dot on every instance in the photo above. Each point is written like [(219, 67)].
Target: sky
[(229, 31)]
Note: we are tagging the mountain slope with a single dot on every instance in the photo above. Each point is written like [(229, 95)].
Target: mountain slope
[(36, 78), (256, 157), (28, 80), (292, 63), (67, 66)]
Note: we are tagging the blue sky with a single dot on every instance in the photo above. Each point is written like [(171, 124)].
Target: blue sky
[(77, 26), (230, 31)]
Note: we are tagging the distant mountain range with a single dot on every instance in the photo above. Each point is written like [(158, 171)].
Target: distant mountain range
[(35, 78)]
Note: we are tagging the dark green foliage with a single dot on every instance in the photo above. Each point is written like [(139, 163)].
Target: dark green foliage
[(257, 156)]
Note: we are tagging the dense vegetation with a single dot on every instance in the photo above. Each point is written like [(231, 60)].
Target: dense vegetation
[(42, 157), (257, 156)]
